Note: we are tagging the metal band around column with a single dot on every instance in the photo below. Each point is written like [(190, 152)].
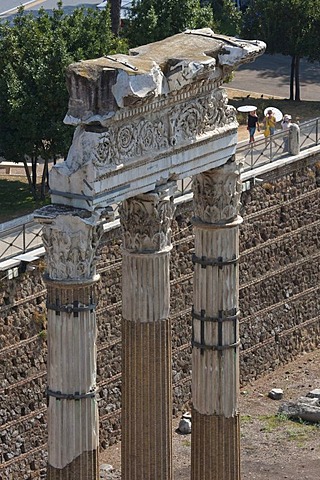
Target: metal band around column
[(213, 262), (74, 307), (219, 319), (70, 396)]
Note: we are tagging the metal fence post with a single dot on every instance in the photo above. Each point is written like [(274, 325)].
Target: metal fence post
[(24, 238)]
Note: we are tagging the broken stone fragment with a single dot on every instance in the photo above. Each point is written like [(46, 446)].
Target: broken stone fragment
[(185, 424), (314, 393), (305, 408), (276, 394), (105, 470)]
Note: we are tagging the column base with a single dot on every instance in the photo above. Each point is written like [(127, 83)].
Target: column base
[(215, 447), (84, 467)]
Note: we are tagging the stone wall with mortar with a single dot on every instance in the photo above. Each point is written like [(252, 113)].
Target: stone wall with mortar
[(279, 301)]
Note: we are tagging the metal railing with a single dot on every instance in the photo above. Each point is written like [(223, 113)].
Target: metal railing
[(21, 238), (309, 133), (262, 151), (269, 150)]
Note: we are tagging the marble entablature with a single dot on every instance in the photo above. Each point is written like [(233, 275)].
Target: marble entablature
[(158, 114)]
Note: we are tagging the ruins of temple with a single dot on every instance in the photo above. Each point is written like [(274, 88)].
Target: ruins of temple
[(143, 122)]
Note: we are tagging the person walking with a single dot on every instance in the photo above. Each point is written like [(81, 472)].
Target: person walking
[(253, 124), (269, 124)]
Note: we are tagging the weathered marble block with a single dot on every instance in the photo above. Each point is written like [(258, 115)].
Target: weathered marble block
[(155, 115)]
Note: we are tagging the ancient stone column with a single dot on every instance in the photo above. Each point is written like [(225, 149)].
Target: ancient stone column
[(146, 446), (215, 450), (70, 237)]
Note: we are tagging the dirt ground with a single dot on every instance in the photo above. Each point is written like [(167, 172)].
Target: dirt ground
[(272, 447)]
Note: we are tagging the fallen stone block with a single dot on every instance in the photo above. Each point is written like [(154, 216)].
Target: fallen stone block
[(276, 394), (185, 424), (306, 409)]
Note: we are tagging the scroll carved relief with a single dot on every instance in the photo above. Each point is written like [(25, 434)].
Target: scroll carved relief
[(217, 194), (146, 222), (71, 243), (120, 143), (200, 116)]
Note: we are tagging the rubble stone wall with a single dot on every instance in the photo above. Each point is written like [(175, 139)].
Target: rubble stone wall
[(279, 302)]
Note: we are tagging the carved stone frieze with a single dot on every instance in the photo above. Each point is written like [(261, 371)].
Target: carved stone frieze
[(71, 241), (157, 114), (146, 221), (178, 125), (191, 120), (120, 143), (217, 193)]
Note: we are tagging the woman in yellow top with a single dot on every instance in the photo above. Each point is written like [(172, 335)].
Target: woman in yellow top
[(269, 124)]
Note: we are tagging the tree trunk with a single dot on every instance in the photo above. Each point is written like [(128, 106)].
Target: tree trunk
[(115, 16), (30, 180), (297, 78), (292, 76), (44, 180), (34, 175)]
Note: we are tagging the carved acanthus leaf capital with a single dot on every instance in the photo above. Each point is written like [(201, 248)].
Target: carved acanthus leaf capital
[(71, 242), (146, 221), (217, 193)]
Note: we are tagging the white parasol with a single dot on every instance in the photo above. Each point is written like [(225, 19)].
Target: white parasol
[(276, 112), (246, 108)]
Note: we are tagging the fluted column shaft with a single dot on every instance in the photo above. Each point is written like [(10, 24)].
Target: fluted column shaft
[(73, 427), (215, 451), (146, 447), (72, 408)]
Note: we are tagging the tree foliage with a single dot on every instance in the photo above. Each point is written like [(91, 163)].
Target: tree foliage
[(34, 53), (153, 20), (227, 16), (288, 27)]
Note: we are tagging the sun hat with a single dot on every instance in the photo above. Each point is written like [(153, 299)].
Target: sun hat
[(286, 117)]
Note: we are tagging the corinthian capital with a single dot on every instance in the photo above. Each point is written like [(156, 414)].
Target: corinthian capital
[(71, 238), (146, 220), (217, 193)]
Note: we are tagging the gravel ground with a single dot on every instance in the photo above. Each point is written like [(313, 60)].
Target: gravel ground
[(271, 446)]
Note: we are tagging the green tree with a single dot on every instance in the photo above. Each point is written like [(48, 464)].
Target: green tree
[(34, 53), (153, 20), (289, 27), (227, 16)]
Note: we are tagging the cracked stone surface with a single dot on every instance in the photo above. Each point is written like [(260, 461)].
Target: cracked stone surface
[(99, 88)]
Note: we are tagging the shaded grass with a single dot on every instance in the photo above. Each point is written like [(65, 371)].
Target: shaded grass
[(272, 422), (16, 199)]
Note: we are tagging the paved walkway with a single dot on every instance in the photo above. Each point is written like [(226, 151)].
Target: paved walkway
[(270, 75)]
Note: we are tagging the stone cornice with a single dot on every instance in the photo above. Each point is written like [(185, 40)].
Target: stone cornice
[(178, 66)]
